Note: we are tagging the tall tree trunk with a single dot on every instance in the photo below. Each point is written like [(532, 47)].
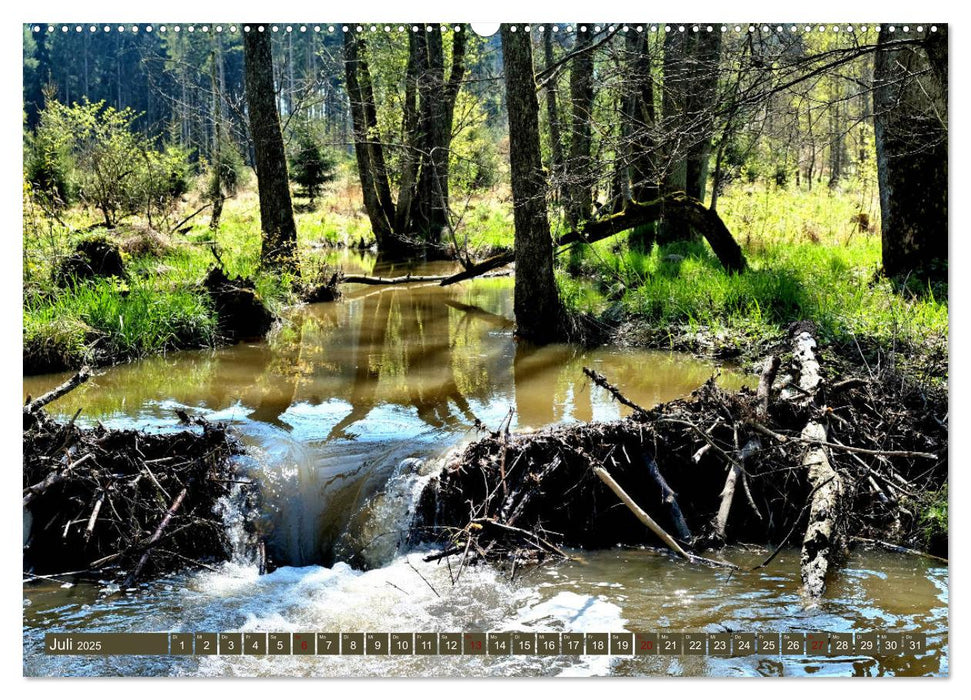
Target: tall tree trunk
[(910, 125), (411, 158), (369, 154), (276, 208), (690, 82), (677, 48), (215, 156), (579, 181), (428, 116), (641, 116), (553, 112), (702, 92), (536, 302), (437, 107)]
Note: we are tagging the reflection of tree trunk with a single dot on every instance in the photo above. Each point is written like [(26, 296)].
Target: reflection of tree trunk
[(910, 125), (534, 404), (427, 354), (536, 302), (280, 379), (375, 313)]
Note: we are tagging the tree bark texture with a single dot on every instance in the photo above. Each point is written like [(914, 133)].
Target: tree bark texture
[(578, 167), (422, 209), (910, 126), (536, 302), (276, 209)]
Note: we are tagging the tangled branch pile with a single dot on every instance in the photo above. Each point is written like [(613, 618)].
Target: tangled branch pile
[(123, 504), (808, 458)]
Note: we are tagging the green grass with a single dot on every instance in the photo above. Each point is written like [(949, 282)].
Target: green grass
[(812, 255), (105, 320), (808, 259)]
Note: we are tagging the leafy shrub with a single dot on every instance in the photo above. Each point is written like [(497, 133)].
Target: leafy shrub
[(94, 150), (227, 174), (48, 161)]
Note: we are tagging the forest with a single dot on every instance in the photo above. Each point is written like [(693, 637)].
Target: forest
[(768, 199)]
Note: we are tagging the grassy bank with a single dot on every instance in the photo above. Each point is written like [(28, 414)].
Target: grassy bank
[(812, 256)]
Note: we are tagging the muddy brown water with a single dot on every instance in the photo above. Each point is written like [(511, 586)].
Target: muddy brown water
[(346, 411)]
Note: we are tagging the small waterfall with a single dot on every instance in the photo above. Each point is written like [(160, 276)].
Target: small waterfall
[(239, 510), (376, 533)]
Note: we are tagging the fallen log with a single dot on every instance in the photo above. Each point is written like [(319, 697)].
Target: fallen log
[(676, 205), (403, 279), (824, 542)]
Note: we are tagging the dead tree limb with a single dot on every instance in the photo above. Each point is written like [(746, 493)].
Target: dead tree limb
[(83, 375), (676, 205), (130, 579), (735, 471), (669, 499), (769, 371), (38, 489), (672, 544), (602, 382), (404, 279)]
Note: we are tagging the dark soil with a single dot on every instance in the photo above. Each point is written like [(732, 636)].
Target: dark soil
[(92, 258), (240, 313)]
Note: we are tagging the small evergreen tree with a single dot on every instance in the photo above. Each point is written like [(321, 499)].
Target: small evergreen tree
[(311, 165)]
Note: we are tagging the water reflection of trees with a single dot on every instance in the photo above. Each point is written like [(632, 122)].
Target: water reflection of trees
[(446, 355), (406, 341)]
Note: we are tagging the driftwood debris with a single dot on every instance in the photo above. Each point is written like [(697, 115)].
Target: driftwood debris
[(824, 542), (97, 502), (682, 464)]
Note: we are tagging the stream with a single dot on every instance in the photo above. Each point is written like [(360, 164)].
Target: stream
[(346, 410)]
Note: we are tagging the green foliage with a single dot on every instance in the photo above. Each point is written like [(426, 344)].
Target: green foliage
[(473, 160), (933, 516), (48, 163), (93, 149), (227, 174), (165, 177), (808, 260), (102, 321), (311, 164)]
